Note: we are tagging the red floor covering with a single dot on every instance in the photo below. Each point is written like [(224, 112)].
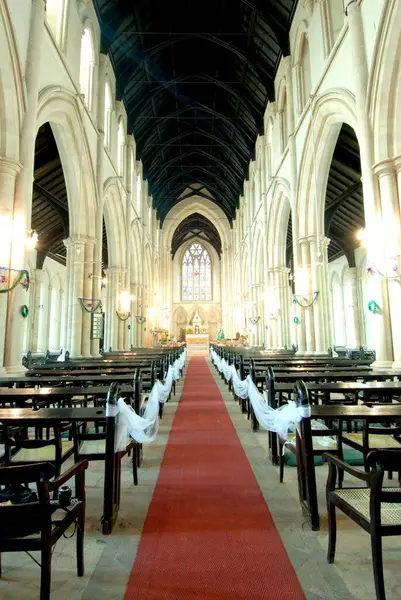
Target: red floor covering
[(208, 534)]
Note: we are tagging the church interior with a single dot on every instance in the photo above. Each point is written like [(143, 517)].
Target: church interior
[(200, 291)]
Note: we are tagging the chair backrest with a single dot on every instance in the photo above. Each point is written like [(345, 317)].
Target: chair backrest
[(19, 520), (378, 462), (12, 444)]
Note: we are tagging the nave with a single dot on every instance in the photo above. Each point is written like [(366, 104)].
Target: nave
[(206, 520)]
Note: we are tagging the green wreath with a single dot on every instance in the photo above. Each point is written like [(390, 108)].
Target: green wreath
[(372, 306), (24, 310), (296, 320)]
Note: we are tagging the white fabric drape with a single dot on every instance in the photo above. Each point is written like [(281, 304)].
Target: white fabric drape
[(277, 420), (143, 429)]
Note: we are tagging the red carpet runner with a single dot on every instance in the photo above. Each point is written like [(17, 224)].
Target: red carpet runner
[(208, 534)]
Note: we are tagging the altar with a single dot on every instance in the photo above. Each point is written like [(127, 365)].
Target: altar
[(197, 338), (197, 344)]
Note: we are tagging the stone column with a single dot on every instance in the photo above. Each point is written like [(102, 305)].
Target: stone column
[(320, 314), (16, 326), (307, 313), (8, 172), (37, 282), (44, 320), (378, 286), (88, 293), (114, 276), (121, 325), (97, 266), (270, 308), (65, 340), (283, 308), (77, 286), (353, 279), (386, 174), (56, 320)]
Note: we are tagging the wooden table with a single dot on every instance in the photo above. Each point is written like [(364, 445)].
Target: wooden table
[(304, 445), (105, 378), (385, 388), (46, 417)]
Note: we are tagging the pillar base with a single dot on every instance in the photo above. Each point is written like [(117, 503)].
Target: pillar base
[(12, 370), (301, 354), (396, 365)]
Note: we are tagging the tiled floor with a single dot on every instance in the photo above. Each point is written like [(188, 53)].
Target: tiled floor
[(109, 558)]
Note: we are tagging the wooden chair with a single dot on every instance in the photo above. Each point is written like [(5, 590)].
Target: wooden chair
[(324, 441), (36, 526), (373, 438), (375, 508), (91, 446), (24, 450)]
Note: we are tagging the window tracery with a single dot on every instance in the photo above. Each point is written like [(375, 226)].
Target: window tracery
[(87, 67), (107, 115), (56, 11), (120, 147), (196, 273)]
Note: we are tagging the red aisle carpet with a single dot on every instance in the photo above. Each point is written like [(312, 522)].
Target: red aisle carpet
[(208, 534)]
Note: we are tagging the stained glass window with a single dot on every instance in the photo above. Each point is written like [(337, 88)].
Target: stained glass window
[(196, 274)]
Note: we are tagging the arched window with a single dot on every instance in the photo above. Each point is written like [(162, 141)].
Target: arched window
[(304, 85), (138, 191), (107, 115), (120, 147), (87, 67), (283, 117), (268, 150), (336, 18), (56, 11), (196, 274)]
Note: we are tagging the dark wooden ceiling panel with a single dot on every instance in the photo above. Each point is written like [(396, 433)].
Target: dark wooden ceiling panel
[(195, 76)]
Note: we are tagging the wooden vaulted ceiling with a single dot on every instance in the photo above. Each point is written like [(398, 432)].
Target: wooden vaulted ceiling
[(198, 227), (195, 77), (50, 201)]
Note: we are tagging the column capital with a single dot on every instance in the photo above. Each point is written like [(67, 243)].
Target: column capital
[(384, 167), (9, 166), (397, 164), (303, 240)]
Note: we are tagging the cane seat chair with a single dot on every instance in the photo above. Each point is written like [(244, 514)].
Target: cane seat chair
[(373, 438), (26, 450), (36, 525), (375, 508)]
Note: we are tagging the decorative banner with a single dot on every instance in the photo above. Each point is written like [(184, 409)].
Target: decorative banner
[(91, 305), (22, 278), (253, 320), (123, 316), (296, 301), (24, 310), (393, 271)]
